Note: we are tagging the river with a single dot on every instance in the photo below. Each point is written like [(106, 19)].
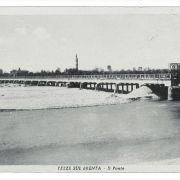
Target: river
[(141, 131)]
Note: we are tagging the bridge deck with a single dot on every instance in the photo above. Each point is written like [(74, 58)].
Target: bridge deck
[(164, 76)]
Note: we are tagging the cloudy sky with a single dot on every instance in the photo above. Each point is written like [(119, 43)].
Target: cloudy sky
[(37, 42)]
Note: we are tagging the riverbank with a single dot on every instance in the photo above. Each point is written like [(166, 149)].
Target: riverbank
[(24, 97)]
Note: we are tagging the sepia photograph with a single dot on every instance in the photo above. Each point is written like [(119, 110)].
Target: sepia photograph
[(90, 89)]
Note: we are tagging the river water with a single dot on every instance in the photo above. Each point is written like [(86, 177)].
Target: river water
[(141, 131)]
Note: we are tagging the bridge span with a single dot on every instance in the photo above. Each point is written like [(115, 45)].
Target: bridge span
[(163, 78), (166, 82), (159, 83), (117, 85)]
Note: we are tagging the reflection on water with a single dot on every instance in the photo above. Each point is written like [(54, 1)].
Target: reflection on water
[(136, 132)]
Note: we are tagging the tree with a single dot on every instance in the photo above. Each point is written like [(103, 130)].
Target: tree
[(1, 71), (58, 71), (109, 68)]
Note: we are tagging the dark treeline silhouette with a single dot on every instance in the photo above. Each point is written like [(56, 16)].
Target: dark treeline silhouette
[(57, 72)]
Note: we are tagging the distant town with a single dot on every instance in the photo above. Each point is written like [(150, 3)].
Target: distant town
[(76, 71)]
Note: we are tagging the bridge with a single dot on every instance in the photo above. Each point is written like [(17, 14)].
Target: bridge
[(116, 85), (163, 76), (164, 85)]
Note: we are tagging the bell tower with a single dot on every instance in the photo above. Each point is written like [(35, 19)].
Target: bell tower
[(175, 74), (76, 62)]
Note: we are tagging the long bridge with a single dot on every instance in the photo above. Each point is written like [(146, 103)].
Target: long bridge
[(165, 85), (164, 76)]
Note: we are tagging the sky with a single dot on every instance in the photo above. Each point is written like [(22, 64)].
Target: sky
[(46, 42)]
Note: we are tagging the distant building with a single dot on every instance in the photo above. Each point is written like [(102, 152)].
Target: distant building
[(1, 71), (13, 73), (109, 68), (147, 69), (18, 72), (139, 68), (134, 69)]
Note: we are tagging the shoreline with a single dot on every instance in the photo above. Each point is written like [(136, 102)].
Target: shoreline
[(36, 98)]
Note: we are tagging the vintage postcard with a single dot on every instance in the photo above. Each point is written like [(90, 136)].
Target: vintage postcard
[(89, 89)]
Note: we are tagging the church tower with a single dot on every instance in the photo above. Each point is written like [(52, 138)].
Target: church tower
[(76, 62)]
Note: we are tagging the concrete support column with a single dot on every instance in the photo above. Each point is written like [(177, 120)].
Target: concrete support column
[(95, 85), (137, 86), (90, 85), (103, 86), (132, 86), (80, 86), (170, 93), (116, 88), (174, 93), (122, 88), (107, 86), (127, 87)]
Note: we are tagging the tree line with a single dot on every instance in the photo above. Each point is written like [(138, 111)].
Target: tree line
[(26, 73)]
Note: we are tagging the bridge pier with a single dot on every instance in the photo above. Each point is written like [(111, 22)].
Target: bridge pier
[(107, 87), (34, 83), (83, 85), (73, 85), (42, 83), (170, 93), (27, 83), (132, 86), (63, 84), (121, 89), (51, 83), (174, 93), (159, 89), (93, 86), (58, 84), (127, 88)]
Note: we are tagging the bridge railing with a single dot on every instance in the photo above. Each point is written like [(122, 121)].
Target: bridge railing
[(165, 76)]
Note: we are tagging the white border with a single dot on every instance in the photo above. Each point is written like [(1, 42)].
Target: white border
[(89, 2), (51, 176), (63, 176)]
